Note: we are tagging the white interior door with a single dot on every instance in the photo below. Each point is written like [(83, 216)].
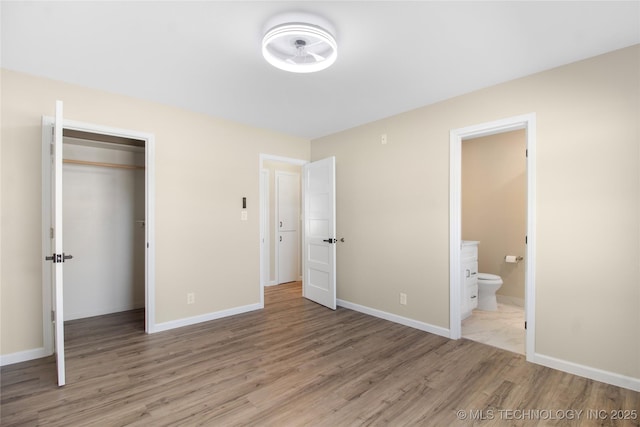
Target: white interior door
[(288, 219), (288, 245), (57, 256), (319, 281)]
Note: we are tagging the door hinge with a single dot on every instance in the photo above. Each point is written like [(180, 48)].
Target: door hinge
[(53, 316), (525, 324), (526, 152), (526, 240)]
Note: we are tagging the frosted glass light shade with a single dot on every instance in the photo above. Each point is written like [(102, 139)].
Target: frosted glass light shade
[(299, 48)]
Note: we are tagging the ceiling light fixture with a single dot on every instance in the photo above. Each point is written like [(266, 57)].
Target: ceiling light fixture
[(299, 47)]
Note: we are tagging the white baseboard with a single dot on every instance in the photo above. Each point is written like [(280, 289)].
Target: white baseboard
[(588, 372), (540, 359), (23, 356), (503, 299), (271, 283), (165, 326), (101, 311), (37, 353), (438, 330), (550, 362)]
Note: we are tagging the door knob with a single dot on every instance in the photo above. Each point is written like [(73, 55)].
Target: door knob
[(329, 240), (56, 258)]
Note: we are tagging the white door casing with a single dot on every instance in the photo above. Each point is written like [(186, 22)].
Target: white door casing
[(264, 225), (53, 301), (319, 280), (527, 122), (264, 230)]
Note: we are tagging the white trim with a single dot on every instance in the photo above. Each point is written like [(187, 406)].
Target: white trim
[(455, 234), (291, 160), (187, 321), (527, 122), (298, 162), (150, 234), (149, 140), (503, 299), (427, 327), (82, 314), (276, 230), (588, 372), (24, 356), (265, 238)]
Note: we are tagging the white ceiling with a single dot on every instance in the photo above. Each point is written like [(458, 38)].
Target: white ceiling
[(393, 56)]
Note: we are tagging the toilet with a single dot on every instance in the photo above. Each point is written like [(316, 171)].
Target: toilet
[(488, 284)]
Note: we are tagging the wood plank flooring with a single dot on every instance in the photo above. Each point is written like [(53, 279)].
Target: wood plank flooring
[(294, 363)]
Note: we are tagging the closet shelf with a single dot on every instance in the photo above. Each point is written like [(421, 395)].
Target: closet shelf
[(106, 165)]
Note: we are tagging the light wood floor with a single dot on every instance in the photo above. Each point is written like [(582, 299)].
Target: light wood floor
[(294, 363)]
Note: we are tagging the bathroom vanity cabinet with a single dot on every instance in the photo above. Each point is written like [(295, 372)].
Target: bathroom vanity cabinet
[(469, 277)]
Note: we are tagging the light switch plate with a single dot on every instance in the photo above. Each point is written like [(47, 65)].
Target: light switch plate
[(243, 216)]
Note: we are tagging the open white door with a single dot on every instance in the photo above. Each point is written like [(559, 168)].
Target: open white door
[(319, 281), (57, 257)]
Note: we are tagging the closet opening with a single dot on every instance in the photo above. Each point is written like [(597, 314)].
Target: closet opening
[(103, 225), (98, 215)]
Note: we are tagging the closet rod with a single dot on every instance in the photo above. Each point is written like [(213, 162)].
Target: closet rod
[(106, 165)]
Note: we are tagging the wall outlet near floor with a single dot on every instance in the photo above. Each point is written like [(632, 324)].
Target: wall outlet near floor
[(191, 298), (403, 298)]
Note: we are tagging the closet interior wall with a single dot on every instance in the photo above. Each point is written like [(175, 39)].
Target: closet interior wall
[(103, 227)]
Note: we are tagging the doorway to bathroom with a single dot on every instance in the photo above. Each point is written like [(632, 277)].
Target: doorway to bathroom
[(503, 242), (494, 213)]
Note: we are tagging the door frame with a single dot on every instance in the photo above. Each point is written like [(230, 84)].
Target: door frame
[(265, 238), (149, 139), (264, 214), (528, 123)]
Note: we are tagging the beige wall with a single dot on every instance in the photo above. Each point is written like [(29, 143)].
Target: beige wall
[(494, 205), (393, 207), (272, 166), (204, 166)]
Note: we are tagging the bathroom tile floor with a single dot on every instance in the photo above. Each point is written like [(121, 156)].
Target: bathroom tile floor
[(503, 328)]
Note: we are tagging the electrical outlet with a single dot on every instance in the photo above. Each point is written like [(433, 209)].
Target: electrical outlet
[(191, 298), (403, 298), (383, 138)]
